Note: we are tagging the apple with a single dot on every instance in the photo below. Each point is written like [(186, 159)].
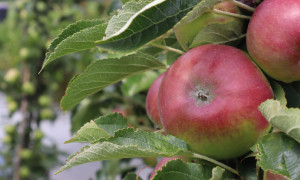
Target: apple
[(12, 75), (44, 100), (161, 164), (151, 101), (273, 39), (210, 96), (28, 88), (270, 176), (38, 135), (190, 34)]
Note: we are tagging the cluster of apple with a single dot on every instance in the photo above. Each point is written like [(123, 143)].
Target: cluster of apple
[(210, 96)]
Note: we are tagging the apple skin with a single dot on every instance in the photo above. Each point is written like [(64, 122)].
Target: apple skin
[(187, 32), (273, 39), (270, 176), (151, 101), (160, 164), (210, 96)]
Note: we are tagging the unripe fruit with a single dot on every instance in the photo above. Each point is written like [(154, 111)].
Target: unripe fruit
[(12, 106), (44, 100), (26, 154), (210, 96), (47, 113), (24, 172), (28, 88), (24, 53), (273, 39), (151, 101), (7, 139), (10, 129), (38, 135), (12, 76)]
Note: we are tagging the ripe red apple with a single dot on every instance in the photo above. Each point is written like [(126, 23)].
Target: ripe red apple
[(273, 39), (151, 101), (160, 164), (210, 96), (191, 34)]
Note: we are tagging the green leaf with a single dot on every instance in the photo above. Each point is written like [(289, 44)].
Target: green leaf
[(280, 154), (76, 37), (282, 118), (278, 92), (97, 129), (132, 176), (128, 143), (217, 173), (219, 33), (147, 24), (103, 73), (247, 168), (178, 170), (138, 83)]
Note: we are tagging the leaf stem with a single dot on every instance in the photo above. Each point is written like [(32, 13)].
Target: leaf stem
[(242, 5), (168, 48), (231, 14), (199, 156)]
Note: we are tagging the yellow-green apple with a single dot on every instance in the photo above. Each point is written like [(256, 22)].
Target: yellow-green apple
[(273, 39), (198, 32), (163, 162), (151, 101), (210, 96)]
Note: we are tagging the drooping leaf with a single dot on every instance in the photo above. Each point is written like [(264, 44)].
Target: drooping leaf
[(282, 118), (178, 170), (217, 173), (132, 176), (138, 83), (292, 96), (147, 24), (103, 73), (128, 143), (76, 37), (219, 33), (280, 154), (247, 169), (278, 92), (97, 129)]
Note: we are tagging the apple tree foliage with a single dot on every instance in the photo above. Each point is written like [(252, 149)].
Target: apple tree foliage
[(139, 39)]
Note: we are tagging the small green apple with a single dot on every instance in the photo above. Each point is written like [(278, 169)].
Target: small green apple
[(44, 100), (12, 75), (47, 113), (38, 135), (28, 88), (24, 171), (10, 129), (26, 154)]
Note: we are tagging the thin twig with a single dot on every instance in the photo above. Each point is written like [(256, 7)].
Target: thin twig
[(242, 5), (168, 48), (231, 14), (199, 156)]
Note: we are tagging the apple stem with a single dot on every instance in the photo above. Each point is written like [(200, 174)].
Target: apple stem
[(168, 48), (231, 14), (199, 156), (242, 5)]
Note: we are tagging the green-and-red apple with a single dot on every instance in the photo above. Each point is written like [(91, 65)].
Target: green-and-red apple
[(273, 39), (210, 27), (160, 165), (210, 96), (151, 101)]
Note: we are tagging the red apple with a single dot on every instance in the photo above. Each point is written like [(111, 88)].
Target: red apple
[(160, 165), (273, 39), (210, 96), (270, 176), (151, 101)]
